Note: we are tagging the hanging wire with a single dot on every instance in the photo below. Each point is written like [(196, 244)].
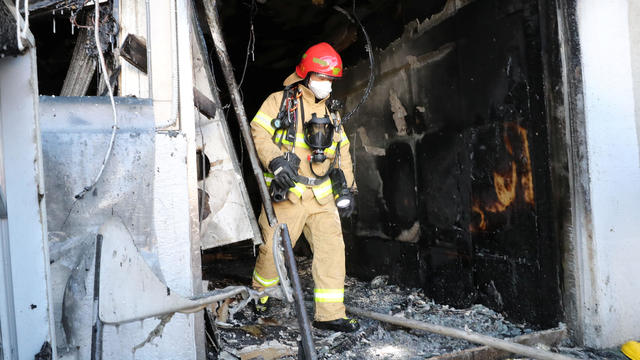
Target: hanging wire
[(369, 49), (372, 75), (251, 43), (114, 127), (253, 10)]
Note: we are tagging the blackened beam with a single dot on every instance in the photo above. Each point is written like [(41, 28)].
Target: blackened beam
[(96, 330), (205, 105), (134, 51), (81, 69), (462, 334), (227, 69), (307, 337), (113, 79)]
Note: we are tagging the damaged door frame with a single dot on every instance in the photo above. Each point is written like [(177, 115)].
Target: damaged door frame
[(569, 168)]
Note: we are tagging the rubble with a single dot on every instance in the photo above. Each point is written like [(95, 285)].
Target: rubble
[(592, 354), (279, 329)]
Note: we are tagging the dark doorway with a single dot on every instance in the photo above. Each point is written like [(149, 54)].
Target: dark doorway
[(451, 148)]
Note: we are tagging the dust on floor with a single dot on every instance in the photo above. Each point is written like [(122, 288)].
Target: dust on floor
[(275, 334)]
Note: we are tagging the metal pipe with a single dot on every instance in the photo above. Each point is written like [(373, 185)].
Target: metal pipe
[(460, 334), (196, 303), (303, 320), (280, 262), (96, 331), (18, 32), (175, 76), (149, 73), (227, 69), (26, 19)]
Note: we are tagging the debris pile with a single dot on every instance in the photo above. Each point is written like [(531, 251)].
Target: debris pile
[(275, 335)]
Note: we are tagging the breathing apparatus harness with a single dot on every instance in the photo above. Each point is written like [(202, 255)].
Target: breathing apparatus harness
[(318, 132), (287, 118), (318, 135)]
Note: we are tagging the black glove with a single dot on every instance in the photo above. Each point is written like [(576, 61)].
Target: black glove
[(346, 211), (283, 172)]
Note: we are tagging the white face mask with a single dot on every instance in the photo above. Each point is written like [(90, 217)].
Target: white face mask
[(321, 89)]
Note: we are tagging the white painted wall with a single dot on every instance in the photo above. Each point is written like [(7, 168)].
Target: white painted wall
[(609, 266), (133, 20), (24, 252), (634, 34), (175, 210), (178, 338)]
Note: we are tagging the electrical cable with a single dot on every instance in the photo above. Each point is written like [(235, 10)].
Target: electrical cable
[(369, 49), (251, 43), (355, 159), (367, 91), (114, 127), (22, 34)]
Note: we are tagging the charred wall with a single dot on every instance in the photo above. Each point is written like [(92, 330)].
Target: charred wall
[(452, 162)]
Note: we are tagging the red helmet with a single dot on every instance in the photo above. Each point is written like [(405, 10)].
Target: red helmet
[(322, 59)]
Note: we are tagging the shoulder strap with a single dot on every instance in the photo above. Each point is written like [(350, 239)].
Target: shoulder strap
[(283, 113), (285, 95)]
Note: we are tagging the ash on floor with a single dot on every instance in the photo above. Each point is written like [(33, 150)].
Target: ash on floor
[(276, 335)]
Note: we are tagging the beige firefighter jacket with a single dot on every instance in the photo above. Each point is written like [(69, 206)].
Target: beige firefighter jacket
[(263, 137)]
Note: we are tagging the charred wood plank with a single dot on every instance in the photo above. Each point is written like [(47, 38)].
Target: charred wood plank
[(205, 105), (549, 337), (134, 51), (81, 69), (113, 80)]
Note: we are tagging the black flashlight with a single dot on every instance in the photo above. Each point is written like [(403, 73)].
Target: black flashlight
[(341, 191)]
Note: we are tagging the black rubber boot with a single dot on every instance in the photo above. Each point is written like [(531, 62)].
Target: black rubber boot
[(343, 325), (262, 305)]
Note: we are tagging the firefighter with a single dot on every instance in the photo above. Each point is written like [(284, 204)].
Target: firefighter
[(303, 146)]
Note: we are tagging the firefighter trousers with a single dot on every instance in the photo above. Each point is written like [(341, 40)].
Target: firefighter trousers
[(321, 227)]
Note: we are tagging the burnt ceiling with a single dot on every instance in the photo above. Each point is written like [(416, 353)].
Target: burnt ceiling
[(284, 28)]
